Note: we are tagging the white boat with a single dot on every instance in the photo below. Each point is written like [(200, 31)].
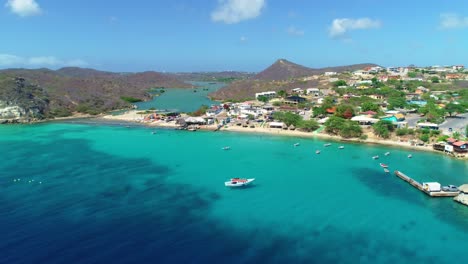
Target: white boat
[(410, 156), (387, 153), (327, 145), (375, 157), (341, 147), (317, 152), (296, 144), (386, 170), (226, 148), (238, 182)]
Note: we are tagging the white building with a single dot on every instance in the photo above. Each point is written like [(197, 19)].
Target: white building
[(313, 91), (269, 94), (330, 73), (297, 90)]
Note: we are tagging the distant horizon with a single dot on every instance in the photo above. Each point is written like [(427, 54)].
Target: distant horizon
[(229, 35), (210, 71)]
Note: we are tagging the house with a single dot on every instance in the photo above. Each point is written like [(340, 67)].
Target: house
[(269, 94), (276, 124), (331, 110), (365, 120), (313, 91), (420, 90), (458, 146), (297, 90), (452, 77), (330, 73), (295, 99), (376, 96), (458, 67)]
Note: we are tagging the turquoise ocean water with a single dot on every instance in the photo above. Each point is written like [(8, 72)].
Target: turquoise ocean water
[(183, 100), (101, 193)]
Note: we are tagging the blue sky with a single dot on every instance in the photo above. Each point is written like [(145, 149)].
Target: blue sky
[(215, 35)]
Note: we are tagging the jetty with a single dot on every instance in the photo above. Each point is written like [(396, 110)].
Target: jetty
[(432, 189)]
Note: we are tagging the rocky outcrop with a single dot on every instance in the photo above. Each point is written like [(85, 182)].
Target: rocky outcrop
[(21, 102)]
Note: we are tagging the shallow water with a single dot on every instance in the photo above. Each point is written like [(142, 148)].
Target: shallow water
[(111, 194), (183, 100)]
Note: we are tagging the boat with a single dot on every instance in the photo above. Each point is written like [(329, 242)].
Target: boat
[(238, 182), (410, 156), (383, 165), (375, 157), (154, 132), (226, 148), (317, 152), (296, 144), (341, 147), (386, 170), (327, 145), (387, 153)]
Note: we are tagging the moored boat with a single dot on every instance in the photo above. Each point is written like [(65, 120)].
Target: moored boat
[(383, 165), (410, 156), (387, 153), (327, 145), (238, 182), (296, 144), (375, 157), (317, 152), (226, 148), (341, 147), (386, 170)]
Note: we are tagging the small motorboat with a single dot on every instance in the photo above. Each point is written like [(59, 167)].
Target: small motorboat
[(327, 145), (317, 152), (238, 182), (296, 144), (410, 156), (383, 165), (387, 153), (386, 170), (226, 148), (341, 147), (154, 132), (375, 157)]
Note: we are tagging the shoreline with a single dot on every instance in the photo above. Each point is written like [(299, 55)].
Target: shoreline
[(133, 117)]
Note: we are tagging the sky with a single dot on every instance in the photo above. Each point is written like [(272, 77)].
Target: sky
[(241, 35)]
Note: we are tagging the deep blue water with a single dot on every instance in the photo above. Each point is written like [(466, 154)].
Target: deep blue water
[(110, 194)]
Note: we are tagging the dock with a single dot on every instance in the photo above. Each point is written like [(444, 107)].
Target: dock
[(420, 187)]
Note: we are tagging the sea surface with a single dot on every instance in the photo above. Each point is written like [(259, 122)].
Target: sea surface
[(183, 100), (103, 193)]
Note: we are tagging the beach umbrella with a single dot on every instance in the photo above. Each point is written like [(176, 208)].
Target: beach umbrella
[(464, 188)]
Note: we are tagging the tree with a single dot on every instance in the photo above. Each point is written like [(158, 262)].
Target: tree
[(334, 124), (282, 93), (435, 79), (452, 108), (345, 111), (339, 83), (263, 98), (319, 111), (308, 125), (383, 128), (369, 106), (288, 118), (412, 74), (396, 101), (424, 137)]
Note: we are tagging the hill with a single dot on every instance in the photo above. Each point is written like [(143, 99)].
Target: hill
[(70, 90), (283, 69), (282, 75)]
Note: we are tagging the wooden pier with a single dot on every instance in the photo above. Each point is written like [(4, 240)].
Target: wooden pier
[(420, 187)]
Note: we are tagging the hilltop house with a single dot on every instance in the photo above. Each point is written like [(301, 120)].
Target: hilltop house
[(330, 73), (297, 90), (452, 77)]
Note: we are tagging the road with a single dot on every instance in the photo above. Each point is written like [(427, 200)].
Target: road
[(457, 123), (412, 119)]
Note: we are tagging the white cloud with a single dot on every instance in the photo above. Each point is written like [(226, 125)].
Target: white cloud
[(293, 31), (235, 11), (452, 21), (8, 60), (243, 39), (341, 26), (24, 8)]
